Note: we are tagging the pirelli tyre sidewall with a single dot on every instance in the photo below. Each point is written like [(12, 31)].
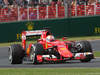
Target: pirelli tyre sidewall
[(84, 46), (36, 49), (16, 54)]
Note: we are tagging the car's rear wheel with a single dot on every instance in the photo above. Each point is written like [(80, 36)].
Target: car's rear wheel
[(84, 46), (16, 54), (36, 49)]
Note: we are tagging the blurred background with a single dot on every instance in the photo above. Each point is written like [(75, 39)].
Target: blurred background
[(19, 10)]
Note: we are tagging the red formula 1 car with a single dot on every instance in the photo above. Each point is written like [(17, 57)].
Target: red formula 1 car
[(49, 49)]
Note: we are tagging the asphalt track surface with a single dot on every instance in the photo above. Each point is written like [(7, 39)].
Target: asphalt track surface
[(94, 63)]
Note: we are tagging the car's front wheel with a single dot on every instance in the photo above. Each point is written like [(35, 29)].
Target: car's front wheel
[(84, 46), (36, 49)]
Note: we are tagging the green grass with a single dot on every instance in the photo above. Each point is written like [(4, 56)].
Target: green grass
[(67, 71), (97, 54), (69, 39)]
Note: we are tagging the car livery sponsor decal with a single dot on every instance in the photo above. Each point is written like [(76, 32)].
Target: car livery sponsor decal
[(46, 45), (49, 44), (28, 50), (63, 48)]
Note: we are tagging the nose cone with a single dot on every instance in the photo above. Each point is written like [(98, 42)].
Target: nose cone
[(65, 53)]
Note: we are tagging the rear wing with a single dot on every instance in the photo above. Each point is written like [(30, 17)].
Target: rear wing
[(28, 34), (33, 33)]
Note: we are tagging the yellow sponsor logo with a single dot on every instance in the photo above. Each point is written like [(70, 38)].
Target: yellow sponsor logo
[(28, 51), (19, 36), (46, 45), (63, 48), (30, 25), (97, 30)]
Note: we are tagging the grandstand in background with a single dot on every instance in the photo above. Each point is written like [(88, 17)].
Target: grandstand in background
[(48, 11)]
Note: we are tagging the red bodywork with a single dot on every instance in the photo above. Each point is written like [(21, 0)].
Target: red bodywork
[(62, 46)]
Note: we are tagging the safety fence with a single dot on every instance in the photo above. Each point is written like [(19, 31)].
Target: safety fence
[(31, 13), (85, 10)]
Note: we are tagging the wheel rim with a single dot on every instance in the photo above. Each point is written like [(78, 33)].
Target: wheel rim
[(32, 54), (79, 46), (10, 55)]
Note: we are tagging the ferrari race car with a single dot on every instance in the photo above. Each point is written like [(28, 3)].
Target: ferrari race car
[(48, 49)]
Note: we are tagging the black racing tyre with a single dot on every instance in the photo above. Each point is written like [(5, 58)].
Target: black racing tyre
[(16, 54), (84, 46), (36, 49)]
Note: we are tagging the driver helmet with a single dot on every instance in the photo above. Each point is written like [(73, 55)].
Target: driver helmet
[(50, 38)]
